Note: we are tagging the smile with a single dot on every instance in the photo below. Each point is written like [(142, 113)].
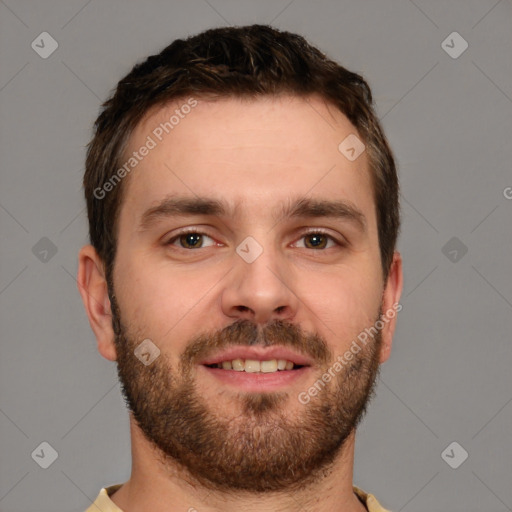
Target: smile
[(256, 366)]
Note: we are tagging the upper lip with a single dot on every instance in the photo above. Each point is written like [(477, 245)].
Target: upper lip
[(259, 354)]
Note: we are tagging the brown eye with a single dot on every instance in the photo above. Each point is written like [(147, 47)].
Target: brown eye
[(316, 241), (191, 240)]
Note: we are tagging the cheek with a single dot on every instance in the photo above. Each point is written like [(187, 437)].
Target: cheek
[(141, 297), (343, 303), (163, 303)]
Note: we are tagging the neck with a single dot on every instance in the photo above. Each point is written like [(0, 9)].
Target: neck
[(157, 487)]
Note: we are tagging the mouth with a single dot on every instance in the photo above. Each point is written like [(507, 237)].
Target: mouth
[(257, 359), (257, 368)]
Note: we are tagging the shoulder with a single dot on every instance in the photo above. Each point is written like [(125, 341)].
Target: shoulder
[(103, 501), (369, 500)]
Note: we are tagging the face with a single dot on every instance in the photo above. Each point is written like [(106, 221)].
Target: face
[(247, 242)]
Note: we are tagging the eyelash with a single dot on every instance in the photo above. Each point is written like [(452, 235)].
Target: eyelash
[(317, 231)]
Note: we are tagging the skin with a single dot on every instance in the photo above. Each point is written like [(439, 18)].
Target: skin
[(258, 155)]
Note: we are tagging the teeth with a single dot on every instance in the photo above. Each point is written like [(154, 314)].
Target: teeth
[(238, 365), (252, 366), (281, 364), (255, 366), (268, 366)]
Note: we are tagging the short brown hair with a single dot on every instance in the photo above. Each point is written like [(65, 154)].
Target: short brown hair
[(247, 62)]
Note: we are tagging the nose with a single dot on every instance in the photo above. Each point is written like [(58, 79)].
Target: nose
[(261, 291)]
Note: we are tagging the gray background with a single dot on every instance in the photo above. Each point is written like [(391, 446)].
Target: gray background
[(449, 122)]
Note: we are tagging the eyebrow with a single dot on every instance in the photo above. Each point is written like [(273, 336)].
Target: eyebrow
[(299, 208), (176, 206), (338, 209)]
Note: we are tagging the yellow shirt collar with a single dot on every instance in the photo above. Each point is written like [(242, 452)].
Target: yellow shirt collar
[(103, 502)]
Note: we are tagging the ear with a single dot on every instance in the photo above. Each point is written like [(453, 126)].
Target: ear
[(391, 304), (92, 285)]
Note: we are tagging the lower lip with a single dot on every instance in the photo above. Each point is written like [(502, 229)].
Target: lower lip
[(258, 381)]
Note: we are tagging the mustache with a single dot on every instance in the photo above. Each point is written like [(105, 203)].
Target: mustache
[(247, 333)]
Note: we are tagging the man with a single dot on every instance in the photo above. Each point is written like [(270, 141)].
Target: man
[(243, 215)]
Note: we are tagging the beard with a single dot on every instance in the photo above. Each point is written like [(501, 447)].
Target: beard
[(260, 448)]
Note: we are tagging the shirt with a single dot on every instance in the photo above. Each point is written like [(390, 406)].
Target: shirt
[(104, 504)]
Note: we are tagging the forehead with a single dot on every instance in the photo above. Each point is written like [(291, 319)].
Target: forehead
[(255, 152)]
